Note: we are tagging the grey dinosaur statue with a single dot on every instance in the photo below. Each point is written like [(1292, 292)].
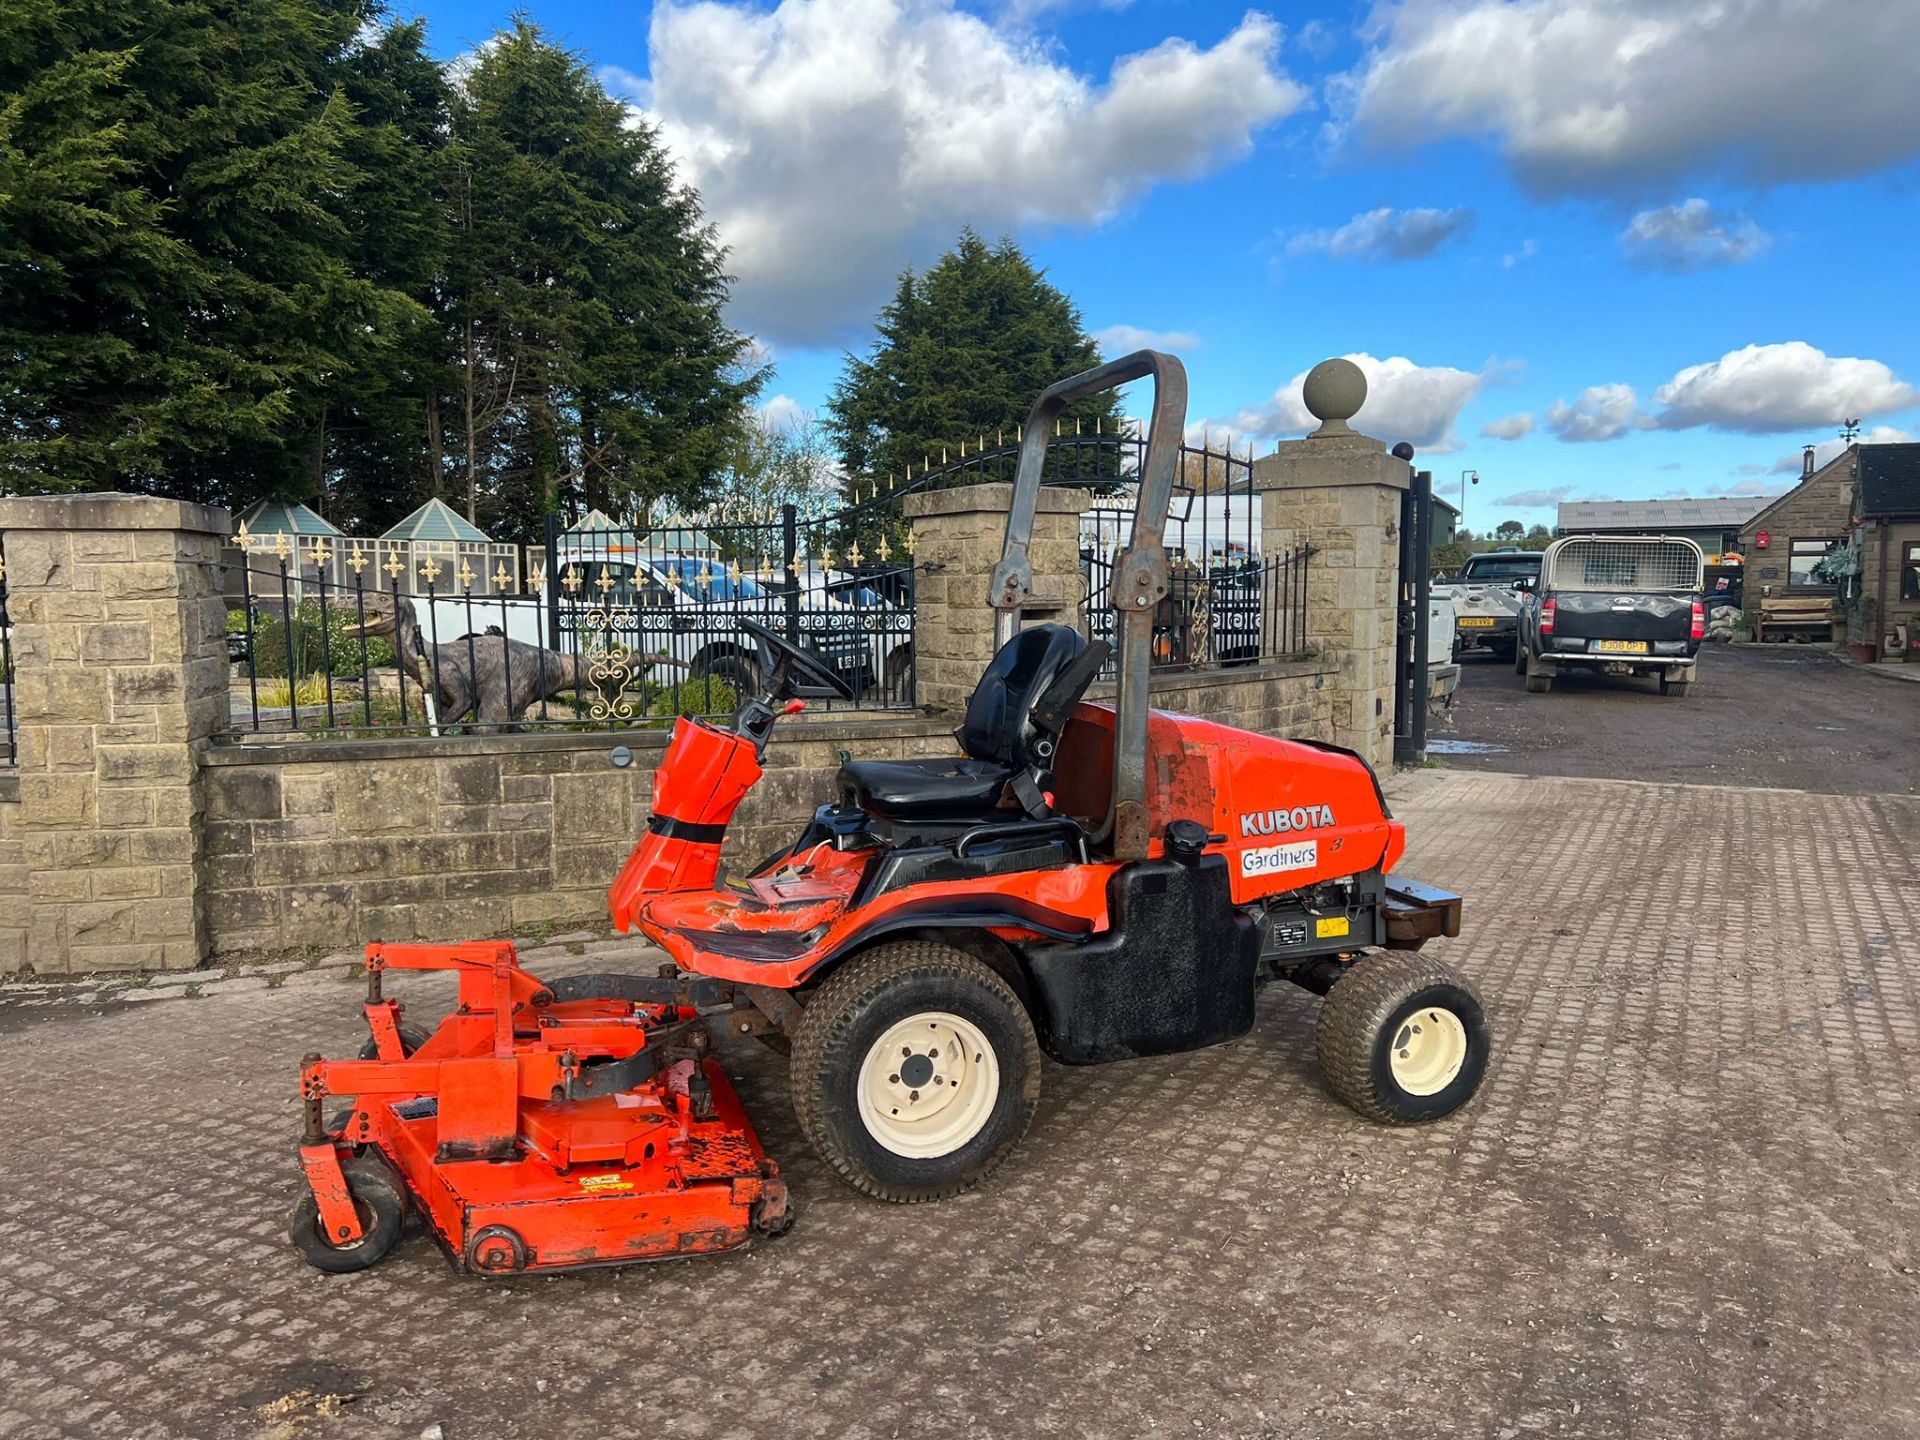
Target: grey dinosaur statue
[(485, 680)]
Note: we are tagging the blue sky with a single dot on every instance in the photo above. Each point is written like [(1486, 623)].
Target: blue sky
[(1675, 239)]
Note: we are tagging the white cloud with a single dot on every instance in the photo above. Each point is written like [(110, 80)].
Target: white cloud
[(1537, 499), (1510, 427), (1604, 95), (784, 412), (1761, 488), (835, 141), (1526, 252), (1600, 412), (1117, 340), (1405, 401), (1828, 449), (1691, 235), (1385, 235), (1765, 389)]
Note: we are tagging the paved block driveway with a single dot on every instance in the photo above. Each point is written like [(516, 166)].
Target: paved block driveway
[(1685, 1205)]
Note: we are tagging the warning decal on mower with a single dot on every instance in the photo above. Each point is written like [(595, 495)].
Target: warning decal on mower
[(1277, 858)]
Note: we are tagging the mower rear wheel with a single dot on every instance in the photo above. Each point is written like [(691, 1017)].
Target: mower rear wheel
[(1403, 1040), (381, 1203), (412, 1037), (915, 1071)]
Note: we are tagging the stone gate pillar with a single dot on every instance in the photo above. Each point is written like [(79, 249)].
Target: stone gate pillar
[(120, 672), (1340, 491), (958, 535)]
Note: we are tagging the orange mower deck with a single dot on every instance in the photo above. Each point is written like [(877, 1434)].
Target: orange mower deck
[(540, 1127)]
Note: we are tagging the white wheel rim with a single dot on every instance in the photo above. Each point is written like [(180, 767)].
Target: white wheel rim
[(1428, 1050), (928, 1085)]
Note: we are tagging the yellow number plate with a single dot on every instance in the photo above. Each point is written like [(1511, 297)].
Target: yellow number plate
[(1476, 622), (1623, 647)]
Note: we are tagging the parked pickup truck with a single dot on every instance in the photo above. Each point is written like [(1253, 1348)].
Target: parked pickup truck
[(1624, 604), (1486, 608)]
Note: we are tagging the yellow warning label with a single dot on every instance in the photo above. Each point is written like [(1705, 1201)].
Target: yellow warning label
[(1332, 927), (604, 1182)]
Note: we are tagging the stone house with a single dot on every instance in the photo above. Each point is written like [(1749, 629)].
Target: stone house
[(1786, 539), (1884, 596)]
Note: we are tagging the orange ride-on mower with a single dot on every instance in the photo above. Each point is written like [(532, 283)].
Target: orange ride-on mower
[(1090, 880)]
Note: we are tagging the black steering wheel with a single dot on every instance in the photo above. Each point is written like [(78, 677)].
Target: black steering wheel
[(810, 666)]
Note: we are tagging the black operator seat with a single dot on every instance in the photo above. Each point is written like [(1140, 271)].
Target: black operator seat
[(1003, 736)]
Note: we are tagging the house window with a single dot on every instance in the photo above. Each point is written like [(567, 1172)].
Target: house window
[(1802, 556), (1910, 571)]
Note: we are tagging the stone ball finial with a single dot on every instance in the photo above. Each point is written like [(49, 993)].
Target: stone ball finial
[(1334, 392)]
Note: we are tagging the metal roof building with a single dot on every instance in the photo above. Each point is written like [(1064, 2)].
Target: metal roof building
[(436, 520), (280, 517), (1713, 524)]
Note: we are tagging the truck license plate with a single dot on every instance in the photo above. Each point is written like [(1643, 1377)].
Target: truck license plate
[(1476, 622), (1621, 647)]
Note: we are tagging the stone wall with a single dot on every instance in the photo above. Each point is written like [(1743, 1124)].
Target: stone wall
[(959, 535), (331, 844), (120, 672), (334, 844), (1818, 507), (1341, 494)]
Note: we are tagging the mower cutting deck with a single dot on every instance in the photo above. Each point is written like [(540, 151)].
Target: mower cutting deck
[(540, 1127), (1091, 881)]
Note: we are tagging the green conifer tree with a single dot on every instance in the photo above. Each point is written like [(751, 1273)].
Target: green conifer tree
[(962, 352)]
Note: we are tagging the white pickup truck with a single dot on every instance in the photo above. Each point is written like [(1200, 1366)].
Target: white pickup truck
[(1486, 607)]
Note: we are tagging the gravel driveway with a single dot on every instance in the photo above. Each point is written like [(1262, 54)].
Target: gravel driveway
[(1790, 717)]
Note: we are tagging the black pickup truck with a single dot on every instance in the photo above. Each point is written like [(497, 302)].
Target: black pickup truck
[(1625, 604)]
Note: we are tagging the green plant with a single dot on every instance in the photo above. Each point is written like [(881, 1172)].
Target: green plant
[(709, 696), (282, 693), (343, 655)]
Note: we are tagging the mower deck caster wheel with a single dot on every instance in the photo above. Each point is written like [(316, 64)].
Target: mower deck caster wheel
[(412, 1037), (915, 1071), (1403, 1040), (381, 1201)]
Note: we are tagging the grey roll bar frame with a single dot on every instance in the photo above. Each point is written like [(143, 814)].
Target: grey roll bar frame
[(1141, 576)]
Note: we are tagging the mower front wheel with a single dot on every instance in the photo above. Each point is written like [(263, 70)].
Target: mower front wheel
[(381, 1203), (1403, 1040), (412, 1037), (915, 1071)]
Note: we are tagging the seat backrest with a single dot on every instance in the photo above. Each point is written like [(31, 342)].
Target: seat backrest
[(1000, 724)]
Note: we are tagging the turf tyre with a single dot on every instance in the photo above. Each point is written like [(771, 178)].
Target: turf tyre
[(841, 1028), (1363, 1016)]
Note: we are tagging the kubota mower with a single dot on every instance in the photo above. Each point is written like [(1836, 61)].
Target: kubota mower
[(1091, 880)]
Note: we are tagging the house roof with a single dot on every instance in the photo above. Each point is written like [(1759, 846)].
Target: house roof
[(436, 520), (596, 522), (1449, 507), (1723, 513), (1890, 479), (278, 517)]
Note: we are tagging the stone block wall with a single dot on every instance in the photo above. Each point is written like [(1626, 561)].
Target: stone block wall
[(120, 675), (333, 844), (1818, 508), (1341, 493), (958, 539)]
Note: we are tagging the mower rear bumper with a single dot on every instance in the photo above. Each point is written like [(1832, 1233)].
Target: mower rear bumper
[(1417, 913)]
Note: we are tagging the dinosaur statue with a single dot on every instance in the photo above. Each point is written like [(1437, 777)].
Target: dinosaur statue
[(468, 679)]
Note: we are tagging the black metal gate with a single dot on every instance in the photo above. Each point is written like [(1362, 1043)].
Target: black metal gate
[(1410, 679)]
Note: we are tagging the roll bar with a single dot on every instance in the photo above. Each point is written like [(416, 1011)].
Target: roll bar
[(1140, 578)]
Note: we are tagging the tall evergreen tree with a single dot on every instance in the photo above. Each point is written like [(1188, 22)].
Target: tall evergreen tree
[(962, 352), (177, 292), (585, 296)]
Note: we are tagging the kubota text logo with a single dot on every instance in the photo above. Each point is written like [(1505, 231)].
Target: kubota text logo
[(1285, 822)]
